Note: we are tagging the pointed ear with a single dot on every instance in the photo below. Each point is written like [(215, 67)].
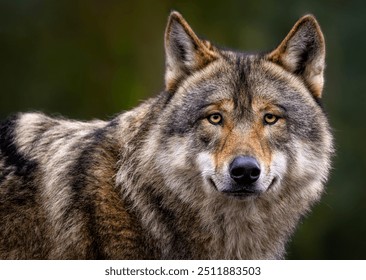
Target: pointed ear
[(302, 53), (184, 51)]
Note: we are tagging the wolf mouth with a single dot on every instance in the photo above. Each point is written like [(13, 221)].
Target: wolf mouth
[(244, 192), (236, 193)]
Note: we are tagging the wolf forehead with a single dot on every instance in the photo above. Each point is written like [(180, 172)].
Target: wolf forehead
[(241, 77)]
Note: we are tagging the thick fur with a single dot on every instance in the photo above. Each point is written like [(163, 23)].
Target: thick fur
[(153, 183)]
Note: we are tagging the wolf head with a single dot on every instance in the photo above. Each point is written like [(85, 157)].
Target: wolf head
[(245, 124)]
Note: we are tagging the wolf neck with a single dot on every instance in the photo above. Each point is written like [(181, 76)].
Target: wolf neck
[(193, 225)]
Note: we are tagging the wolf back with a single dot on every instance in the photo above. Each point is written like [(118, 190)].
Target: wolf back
[(220, 165)]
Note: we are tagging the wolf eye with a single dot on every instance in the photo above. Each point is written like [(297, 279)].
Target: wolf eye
[(270, 119), (215, 118)]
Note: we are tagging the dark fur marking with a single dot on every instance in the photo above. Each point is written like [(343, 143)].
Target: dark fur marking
[(145, 236), (82, 179), (180, 50), (169, 219), (84, 184), (242, 93), (10, 152)]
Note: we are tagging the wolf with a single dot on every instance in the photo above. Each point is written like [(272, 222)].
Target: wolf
[(222, 164)]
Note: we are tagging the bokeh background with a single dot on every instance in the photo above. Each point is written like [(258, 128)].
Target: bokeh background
[(92, 59)]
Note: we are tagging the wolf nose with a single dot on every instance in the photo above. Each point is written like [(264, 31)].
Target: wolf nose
[(244, 170)]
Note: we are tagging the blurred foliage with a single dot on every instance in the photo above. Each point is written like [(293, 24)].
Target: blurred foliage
[(92, 59)]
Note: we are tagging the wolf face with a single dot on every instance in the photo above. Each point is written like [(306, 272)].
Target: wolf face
[(246, 123)]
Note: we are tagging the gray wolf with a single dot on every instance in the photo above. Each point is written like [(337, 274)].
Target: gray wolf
[(222, 164)]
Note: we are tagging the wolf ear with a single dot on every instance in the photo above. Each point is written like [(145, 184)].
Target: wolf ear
[(302, 53), (185, 52)]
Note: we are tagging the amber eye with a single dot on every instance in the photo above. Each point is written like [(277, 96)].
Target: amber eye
[(270, 119), (215, 118)]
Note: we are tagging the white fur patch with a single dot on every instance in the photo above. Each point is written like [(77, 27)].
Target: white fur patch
[(206, 166), (278, 169), (306, 166)]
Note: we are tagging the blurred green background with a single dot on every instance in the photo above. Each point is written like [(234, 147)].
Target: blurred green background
[(92, 59)]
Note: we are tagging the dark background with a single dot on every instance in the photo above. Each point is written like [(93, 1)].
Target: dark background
[(92, 59)]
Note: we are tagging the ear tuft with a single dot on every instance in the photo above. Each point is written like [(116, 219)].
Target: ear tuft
[(185, 52), (302, 53)]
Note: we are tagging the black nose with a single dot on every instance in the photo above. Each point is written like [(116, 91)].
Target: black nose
[(244, 170)]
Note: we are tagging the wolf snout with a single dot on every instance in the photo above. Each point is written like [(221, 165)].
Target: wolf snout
[(244, 170)]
